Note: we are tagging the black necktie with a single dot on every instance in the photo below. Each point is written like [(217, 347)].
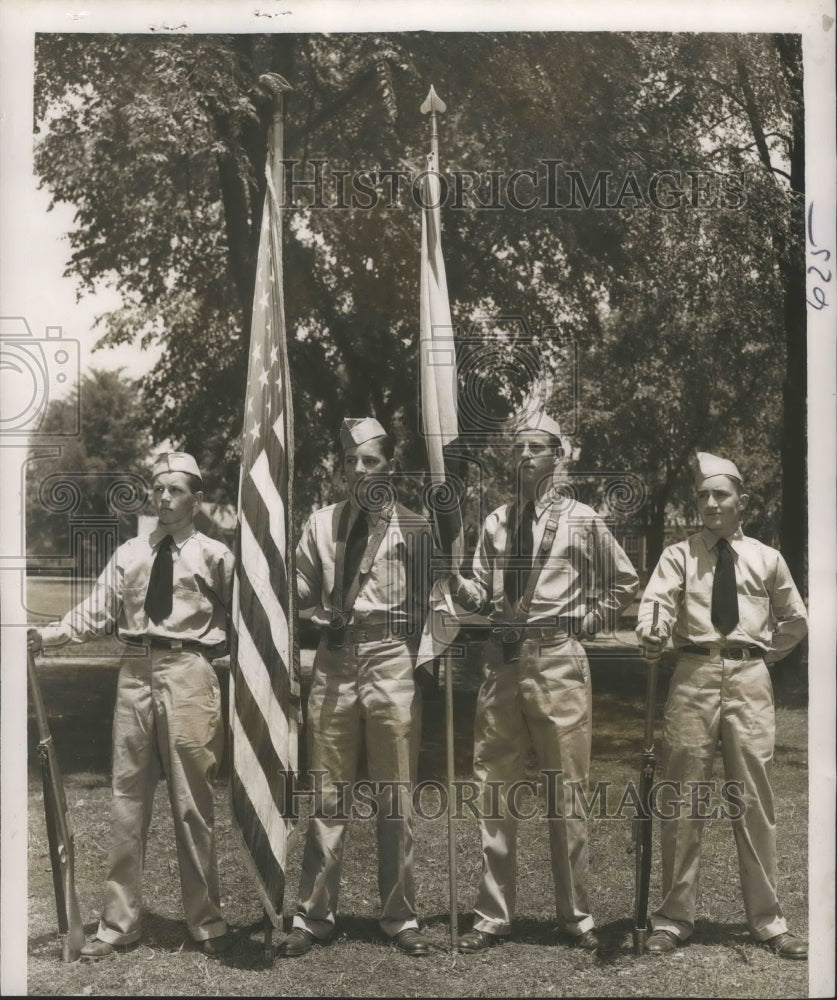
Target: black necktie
[(158, 597), (520, 554), (724, 590), (355, 547)]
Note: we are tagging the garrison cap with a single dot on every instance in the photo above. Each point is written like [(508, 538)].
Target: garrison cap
[(706, 465), (175, 461), (536, 420), (358, 430)]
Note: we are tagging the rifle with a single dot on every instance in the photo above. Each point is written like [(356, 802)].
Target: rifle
[(643, 824), (59, 830)]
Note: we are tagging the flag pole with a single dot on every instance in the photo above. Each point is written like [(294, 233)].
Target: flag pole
[(434, 105)]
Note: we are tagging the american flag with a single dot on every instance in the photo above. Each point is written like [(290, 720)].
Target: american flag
[(264, 675)]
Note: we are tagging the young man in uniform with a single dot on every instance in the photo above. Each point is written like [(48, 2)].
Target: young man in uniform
[(169, 596), (362, 576), (547, 571), (730, 606)]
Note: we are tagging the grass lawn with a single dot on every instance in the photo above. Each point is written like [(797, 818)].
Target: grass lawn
[(721, 960)]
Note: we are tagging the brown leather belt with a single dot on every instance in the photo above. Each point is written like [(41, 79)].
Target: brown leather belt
[(349, 635), (162, 642), (517, 633), (725, 652)]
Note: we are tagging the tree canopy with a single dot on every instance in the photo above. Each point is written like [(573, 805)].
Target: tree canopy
[(97, 473), (663, 250)]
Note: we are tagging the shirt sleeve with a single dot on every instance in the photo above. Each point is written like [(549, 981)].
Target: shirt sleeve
[(309, 570), (665, 587), (790, 621), (94, 614), (619, 582)]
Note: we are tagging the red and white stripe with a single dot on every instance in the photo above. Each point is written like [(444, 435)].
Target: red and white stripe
[(264, 674)]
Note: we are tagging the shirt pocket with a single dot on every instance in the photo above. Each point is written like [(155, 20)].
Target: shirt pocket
[(754, 615), (388, 579), (133, 612), (191, 607)]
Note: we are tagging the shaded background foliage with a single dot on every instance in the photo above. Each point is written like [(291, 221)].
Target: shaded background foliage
[(688, 323)]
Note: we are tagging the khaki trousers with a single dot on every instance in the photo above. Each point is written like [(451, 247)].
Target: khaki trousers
[(371, 683), (710, 698), (543, 699), (167, 721)]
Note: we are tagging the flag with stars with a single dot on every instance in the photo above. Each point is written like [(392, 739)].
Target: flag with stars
[(264, 666)]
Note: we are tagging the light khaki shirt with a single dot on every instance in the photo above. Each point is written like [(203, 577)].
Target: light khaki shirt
[(202, 593), (586, 569), (771, 611), (394, 592)]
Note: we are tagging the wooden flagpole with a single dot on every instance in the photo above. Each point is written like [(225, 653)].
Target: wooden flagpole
[(433, 105)]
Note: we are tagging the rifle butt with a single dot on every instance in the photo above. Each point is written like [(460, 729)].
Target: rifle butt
[(640, 936)]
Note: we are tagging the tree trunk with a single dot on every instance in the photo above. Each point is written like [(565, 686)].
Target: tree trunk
[(655, 530), (793, 530)]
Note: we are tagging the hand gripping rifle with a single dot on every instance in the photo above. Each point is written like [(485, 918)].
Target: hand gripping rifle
[(59, 831), (642, 824)]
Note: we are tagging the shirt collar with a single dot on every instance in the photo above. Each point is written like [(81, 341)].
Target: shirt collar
[(179, 536), (372, 516), (542, 504), (710, 539)]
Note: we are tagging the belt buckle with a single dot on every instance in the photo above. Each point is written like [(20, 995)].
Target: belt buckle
[(175, 644)]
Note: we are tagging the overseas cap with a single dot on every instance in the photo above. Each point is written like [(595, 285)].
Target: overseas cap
[(357, 430), (706, 465), (536, 421), (175, 461)]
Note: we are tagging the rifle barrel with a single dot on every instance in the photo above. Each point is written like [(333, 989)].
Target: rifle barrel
[(59, 831)]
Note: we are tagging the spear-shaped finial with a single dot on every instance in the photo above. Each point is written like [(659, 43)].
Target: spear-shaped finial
[(433, 105), (275, 86)]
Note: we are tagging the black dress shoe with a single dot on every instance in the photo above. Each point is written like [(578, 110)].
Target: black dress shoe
[(298, 942), (787, 946), (411, 941), (661, 942), (216, 946), (478, 941), (95, 950), (587, 940)]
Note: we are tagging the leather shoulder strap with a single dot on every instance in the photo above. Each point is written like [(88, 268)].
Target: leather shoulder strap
[(544, 549)]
